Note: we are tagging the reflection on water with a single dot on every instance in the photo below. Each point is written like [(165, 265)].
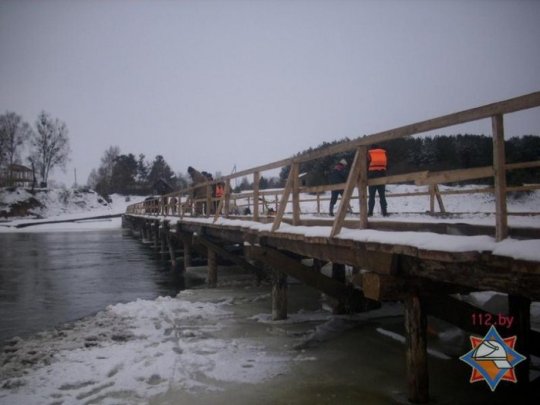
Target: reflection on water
[(47, 279)]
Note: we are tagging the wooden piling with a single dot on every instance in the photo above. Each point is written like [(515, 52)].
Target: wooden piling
[(416, 350), (155, 226), (212, 268), (169, 241), (279, 295), (163, 232), (519, 308), (187, 243), (338, 274), (172, 254)]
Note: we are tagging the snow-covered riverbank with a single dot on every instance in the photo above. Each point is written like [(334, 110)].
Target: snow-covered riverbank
[(48, 206)]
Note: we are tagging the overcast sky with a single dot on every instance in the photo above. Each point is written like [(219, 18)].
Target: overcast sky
[(215, 84)]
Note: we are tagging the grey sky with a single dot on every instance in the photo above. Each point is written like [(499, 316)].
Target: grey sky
[(217, 83)]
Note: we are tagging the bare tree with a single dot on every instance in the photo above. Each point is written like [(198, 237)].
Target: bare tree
[(14, 133), (50, 145), (100, 179), (107, 162)]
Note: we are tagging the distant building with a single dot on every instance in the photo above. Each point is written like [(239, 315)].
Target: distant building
[(16, 175)]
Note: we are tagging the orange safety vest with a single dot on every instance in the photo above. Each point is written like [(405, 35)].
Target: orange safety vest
[(219, 190), (377, 159)]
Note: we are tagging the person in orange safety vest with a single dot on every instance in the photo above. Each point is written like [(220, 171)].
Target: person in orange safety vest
[(377, 168)]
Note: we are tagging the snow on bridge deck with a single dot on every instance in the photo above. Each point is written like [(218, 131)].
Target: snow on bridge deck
[(528, 249)]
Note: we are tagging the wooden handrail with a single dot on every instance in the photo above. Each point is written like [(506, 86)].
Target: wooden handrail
[(495, 111)]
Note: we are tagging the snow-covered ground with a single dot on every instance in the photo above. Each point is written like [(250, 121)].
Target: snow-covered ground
[(474, 208)]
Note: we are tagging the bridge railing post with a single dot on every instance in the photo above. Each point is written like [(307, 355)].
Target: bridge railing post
[(499, 162), (227, 195), (352, 181), (256, 180), (296, 193), (284, 198), (362, 186), (208, 210)]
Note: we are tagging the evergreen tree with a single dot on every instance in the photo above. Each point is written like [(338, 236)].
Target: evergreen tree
[(160, 170), (14, 133), (142, 169), (263, 183), (101, 179), (124, 174)]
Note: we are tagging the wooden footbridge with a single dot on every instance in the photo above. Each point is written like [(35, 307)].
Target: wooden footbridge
[(421, 263)]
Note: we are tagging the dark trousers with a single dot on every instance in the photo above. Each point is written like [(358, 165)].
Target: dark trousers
[(377, 189), (333, 199)]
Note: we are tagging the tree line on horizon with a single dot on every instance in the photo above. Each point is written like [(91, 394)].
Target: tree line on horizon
[(128, 174), (437, 153), (46, 146)]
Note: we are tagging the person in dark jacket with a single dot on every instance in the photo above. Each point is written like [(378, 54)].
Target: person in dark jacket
[(378, 162), (198, 192), (338, 175)]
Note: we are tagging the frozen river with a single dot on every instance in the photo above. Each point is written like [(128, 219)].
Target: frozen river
[(50, 278)]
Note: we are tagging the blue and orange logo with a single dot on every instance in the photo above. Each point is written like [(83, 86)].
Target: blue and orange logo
[(493, 358)]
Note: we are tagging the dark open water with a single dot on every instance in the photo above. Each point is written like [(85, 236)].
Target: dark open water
[(47, 279)]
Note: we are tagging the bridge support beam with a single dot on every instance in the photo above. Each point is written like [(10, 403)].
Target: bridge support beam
[(279, 295), (212, 268), (138, 230), (187, 244), (338, 274), (353, 299), (416, 350), (172, 253), (163, 233), (144, 232), (259, 273), (519, 308), (169, 243), (155, 234)]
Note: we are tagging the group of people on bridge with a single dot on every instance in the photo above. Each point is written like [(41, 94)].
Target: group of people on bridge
[(377, 166), (206, 193), (200, 193)]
